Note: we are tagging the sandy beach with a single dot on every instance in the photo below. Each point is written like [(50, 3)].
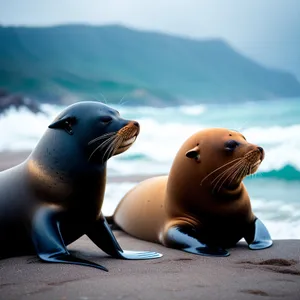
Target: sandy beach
[(273, 273)]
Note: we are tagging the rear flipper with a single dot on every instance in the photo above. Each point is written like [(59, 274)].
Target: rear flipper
[(258, 236), (48, 242), (185, 237), (100, 233)]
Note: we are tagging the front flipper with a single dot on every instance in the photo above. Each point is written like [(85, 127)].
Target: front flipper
[(48, 241), (258, 236), (101, 234), (185, 238)]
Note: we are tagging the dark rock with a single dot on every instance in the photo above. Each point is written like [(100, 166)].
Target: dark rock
[(15, 100)]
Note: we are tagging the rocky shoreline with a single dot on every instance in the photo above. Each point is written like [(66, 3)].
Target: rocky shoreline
[(8, 100)]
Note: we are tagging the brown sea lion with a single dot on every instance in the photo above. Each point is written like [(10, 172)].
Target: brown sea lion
[(56, 195), (202, 207)]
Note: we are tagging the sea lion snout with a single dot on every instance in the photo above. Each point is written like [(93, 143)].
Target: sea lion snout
[(127, 136), (254, 158), (262, 152), (132, 128), (136, 124), (260, 149)]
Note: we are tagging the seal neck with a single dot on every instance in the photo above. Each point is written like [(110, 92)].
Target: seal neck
[(60, 173), (63, 154), (229, 193), (199, 200)]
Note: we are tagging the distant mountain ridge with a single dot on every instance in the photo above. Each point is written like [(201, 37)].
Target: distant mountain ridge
[(67, 62)]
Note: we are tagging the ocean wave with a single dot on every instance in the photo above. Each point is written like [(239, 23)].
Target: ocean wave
[(194, 110), (281, 218), (163, 131), (158, 145), (143, 164), (288, 172), (135, 156), (20, 129), (149, 110)]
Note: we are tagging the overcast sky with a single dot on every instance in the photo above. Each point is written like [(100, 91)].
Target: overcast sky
[(266, 30)]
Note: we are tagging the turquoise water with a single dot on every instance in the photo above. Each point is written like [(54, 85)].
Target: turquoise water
[(274, 125)]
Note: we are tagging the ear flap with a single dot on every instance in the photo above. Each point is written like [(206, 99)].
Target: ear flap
[(194, 153), (64, 123)]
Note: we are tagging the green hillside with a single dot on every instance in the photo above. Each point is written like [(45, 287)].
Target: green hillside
[(59, 63)]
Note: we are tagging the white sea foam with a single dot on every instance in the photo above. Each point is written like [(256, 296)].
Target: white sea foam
[(160, 144), (20, 130), (282, 220), (195, 110), (282, 145), (160, 138)]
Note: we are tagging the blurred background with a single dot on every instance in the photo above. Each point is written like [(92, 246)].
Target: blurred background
[(176, 67)]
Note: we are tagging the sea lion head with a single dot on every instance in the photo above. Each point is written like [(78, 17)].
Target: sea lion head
[(222, 158), (97, 128)]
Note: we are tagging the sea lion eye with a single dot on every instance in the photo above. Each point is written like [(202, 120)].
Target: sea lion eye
[(231, 145), (106, 119)]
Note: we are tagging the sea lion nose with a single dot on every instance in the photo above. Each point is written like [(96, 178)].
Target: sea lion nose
[(262, 153), (260, 149), (136, 124)]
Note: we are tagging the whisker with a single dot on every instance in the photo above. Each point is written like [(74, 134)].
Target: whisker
[(120, 102), (237, 174), (244, 172), (231, 170), (107, 141), (101, 146), (105, 100), (223, 174), (97, 148), (116, 145), (243, 126), (102, 137), (126, 101), (251, 172), (247, 169), (110, 148), (220, 176), (220, 168), (109, 151), (232, 174), (227, 170)]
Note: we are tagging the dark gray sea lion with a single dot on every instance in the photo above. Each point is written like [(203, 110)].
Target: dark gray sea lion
[(56, 195), (202, 207)]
